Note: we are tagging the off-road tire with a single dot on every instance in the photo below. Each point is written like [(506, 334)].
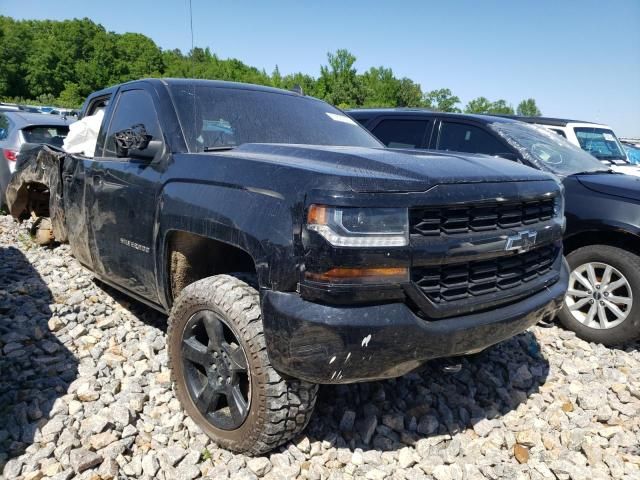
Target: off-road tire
[(629, 265), (42, 231), (279, 408)]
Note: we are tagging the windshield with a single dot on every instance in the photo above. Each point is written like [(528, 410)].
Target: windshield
[(601, 143), (633, 153), (546, 149), (217, 117)]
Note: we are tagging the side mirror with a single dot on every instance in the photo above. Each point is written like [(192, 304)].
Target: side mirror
[(134, 142)]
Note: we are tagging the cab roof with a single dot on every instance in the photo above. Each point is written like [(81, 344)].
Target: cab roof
[(359, 113)]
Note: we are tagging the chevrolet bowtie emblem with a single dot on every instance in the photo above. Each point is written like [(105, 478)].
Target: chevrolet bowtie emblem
[(521, 241)]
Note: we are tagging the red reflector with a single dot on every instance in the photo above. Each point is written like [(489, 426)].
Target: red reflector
[(10, 155)]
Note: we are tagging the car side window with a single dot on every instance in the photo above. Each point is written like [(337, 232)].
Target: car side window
[(134, 108), (5, 126), (559, 132), (99, 104), (401, 133), (460, 137)]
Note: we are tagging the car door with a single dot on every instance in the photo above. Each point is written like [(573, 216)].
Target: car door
[(77, 194), (402, 131), (124, 190), (459, 135)]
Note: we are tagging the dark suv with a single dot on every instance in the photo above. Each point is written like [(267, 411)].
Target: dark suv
[(601, 242)]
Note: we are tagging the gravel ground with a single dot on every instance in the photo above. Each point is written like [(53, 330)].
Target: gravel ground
[(85, 393)]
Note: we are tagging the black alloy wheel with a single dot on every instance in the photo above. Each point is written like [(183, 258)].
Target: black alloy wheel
[(216, 371)]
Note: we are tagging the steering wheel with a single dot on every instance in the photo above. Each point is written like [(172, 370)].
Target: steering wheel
[(546, 153)]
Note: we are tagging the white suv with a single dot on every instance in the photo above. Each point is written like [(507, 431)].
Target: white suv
[(598, 140)]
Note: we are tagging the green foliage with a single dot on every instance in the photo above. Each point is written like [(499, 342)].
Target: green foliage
[(478, 105), (339, 82), (483, 105), (61, 62), (441, 100), (205, 455), (528, 108)]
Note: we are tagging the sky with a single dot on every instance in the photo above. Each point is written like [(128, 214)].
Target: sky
[(578, 59)]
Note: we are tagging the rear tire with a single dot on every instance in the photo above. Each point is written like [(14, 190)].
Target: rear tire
[(602, 304), (231, 391)]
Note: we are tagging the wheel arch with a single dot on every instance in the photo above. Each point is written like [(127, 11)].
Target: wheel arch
[(189, 256), (614, 237)]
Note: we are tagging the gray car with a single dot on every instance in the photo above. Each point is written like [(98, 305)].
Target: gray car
[(19, 130)]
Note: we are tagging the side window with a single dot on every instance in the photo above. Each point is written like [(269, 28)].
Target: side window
[(559, 132), (134, 107), (459, 137), (5, 126), (401, 133), (98, 105)]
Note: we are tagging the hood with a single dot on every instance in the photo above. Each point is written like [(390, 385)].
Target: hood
[(616, 184), (628, 169), (380, 169)]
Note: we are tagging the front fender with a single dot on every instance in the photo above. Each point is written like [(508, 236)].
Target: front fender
[(261, 222)]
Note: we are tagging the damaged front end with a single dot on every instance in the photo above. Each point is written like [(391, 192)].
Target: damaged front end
[(35, 191)]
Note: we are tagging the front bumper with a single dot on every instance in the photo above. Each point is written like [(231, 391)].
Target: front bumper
[(346, 344)]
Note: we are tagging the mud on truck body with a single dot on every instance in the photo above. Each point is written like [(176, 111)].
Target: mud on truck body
[(290, 249)]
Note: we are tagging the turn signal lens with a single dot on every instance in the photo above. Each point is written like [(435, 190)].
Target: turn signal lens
[(361, 275)]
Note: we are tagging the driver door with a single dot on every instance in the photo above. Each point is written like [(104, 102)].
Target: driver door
[(124, 191)]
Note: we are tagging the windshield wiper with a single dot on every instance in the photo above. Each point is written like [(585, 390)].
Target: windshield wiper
[(593, 172), (219, 148)]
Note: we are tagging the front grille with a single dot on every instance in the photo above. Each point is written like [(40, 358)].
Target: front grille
[(446, 283), (431, 221)]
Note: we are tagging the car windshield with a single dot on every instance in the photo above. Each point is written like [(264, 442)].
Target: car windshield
[(214, 117), (601, 143), (546, 149), (633, 153)]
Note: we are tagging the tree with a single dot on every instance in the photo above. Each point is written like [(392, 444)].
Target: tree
[(63, 61), (339, 83), (306, 82), (478, 105), (276, 78), (381, 88), (501, 107), (528, 108), (70, 97), (441, 100), (483, 105), (409, 93)]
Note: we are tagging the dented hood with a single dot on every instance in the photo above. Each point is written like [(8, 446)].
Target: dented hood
[(373, 169)]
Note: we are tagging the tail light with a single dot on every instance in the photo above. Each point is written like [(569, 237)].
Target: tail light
[(10, 155)]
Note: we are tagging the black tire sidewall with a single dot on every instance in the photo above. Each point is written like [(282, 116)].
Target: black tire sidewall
[(629, 265), (233, 439)]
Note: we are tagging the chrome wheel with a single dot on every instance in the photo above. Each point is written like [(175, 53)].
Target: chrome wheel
[(599, 295), (216, 370)]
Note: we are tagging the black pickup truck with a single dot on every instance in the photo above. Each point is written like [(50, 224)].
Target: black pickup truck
[(290, 248)]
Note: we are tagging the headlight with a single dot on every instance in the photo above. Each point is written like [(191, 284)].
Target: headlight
[(558, 206), (360, 227)]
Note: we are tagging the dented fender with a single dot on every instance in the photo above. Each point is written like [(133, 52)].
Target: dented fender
[(40, 170)]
